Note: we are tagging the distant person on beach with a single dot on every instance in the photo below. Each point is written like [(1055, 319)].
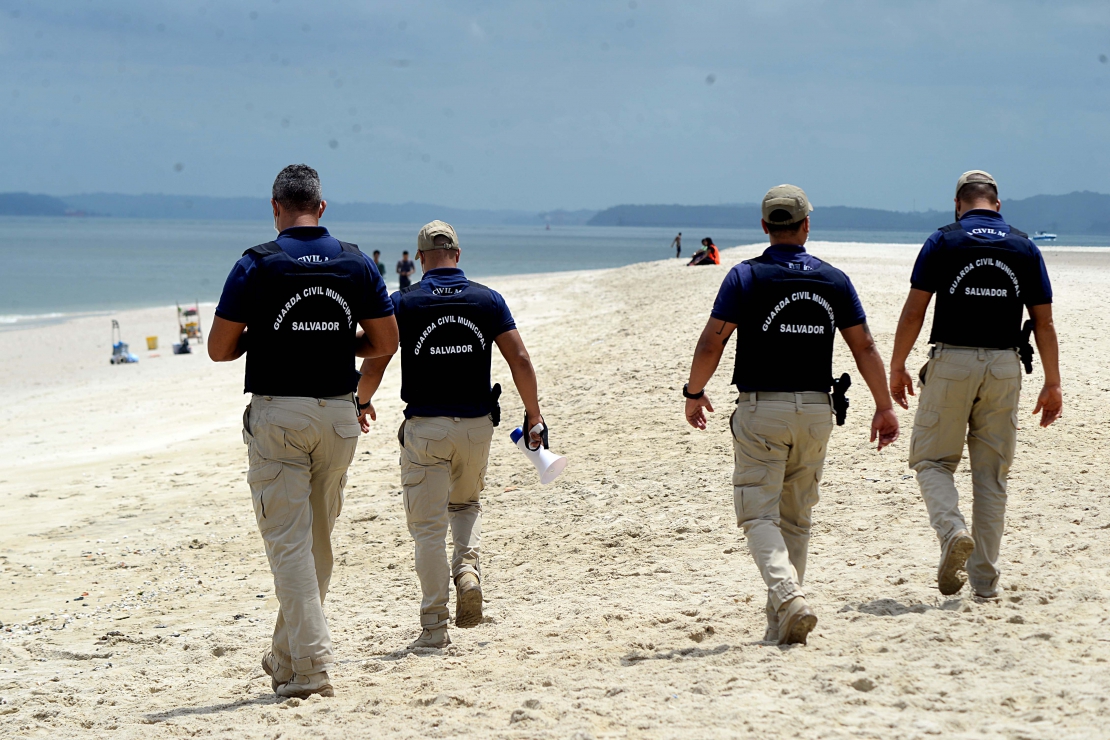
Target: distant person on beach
[(785, 307), (405, 269), (378, 263), (448, 328), (293, 306), (984, 273), (707, 255), (677, 244)]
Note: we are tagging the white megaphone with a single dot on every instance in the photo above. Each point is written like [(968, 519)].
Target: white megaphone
[(547, 463)]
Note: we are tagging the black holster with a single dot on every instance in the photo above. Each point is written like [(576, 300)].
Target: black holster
[(1026, 348), (495, 410), (839, 399)]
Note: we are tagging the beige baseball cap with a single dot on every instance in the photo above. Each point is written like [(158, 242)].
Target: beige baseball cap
[(426, 239), (974, 176), (789, 198)]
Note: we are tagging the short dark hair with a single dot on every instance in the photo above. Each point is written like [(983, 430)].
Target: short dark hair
[(405, 252), (974, 191), (297, 187), (776, 229), (377, 251)]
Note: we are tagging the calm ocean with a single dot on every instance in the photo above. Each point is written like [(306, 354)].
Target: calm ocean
[(73, 265)]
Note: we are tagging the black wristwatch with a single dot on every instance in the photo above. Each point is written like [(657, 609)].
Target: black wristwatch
[(692, 396), (361, 405)]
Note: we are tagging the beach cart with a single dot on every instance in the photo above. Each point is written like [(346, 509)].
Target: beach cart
[(188, 324), (121, 352)]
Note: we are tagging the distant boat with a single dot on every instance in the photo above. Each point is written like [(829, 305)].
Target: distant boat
[(1044, 236)]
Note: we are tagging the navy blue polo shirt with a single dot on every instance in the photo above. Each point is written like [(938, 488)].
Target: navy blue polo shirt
[(308, 244), (451, 280), (730, 307), (985, 224)]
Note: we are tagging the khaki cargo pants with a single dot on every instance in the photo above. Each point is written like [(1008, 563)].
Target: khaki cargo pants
[(443, 469), (779, 442), (299, 451), (968, 393)]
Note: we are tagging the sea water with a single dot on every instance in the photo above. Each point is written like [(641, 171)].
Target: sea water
[(53, 267)]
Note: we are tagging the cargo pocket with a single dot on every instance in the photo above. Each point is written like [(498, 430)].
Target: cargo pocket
[(290, 424), (247, 436), (428, 439), (950, 376), (411, 480), (924, 430), (745, 493), (348, 431), (271, 502)]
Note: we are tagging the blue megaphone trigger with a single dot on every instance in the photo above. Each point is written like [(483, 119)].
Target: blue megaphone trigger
[(516, 434)]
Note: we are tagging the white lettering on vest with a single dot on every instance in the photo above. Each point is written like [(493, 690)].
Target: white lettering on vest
[(801, 329), (450, 319), (308, 293), (990, 292), (985, 262), (456, 349), (801, 295), (315, 326)]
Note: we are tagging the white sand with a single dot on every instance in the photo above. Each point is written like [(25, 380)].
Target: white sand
[(621, 600)]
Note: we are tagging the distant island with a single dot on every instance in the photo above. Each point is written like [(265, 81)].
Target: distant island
[(1076, 213), (190, 207)]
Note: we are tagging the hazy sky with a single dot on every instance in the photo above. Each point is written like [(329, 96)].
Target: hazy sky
[(542, 105)]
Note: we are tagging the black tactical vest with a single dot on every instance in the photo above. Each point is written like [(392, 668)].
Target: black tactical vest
[(785, 342), (979, 293), (301, 329), (446, 349)]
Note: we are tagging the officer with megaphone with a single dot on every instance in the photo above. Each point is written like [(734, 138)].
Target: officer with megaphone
[(448, 326)]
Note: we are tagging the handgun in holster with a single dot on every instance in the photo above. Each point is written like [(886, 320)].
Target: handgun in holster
[(1026, 348), (495, 411), (839, 398)]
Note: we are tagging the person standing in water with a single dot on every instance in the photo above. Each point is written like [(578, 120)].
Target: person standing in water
[(677, 244)]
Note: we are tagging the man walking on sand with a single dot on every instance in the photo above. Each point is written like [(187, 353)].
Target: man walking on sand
[(984, 273), (784, 307), (448, 326), (293, 306), (405, 269), (677, 244)]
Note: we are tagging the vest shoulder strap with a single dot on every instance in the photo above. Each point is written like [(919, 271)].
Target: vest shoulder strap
[(951, 227), (410, 288), (349, 248), (479, 286), (264, 250), (1018, 232)]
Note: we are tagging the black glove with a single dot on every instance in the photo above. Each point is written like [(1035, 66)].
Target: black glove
[(528, 435)]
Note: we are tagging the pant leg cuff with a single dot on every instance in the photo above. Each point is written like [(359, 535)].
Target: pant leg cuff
[(435, 621), (783, 593), (282, 658), (306, 666)]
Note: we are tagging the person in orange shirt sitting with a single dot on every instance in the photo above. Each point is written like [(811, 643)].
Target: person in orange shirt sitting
[(707, 255)]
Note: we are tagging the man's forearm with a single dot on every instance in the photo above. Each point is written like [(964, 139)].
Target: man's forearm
[(524, 377), (708, 353), (870, 364), (372, 372), (1049, 348), (909, 328)]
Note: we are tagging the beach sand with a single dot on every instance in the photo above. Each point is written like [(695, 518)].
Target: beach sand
[(622, 602)]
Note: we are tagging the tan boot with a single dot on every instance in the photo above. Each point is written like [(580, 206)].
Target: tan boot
[(303, 685), (468, 601), (953, 557), (432, 638), (796, 621), (276, 671)]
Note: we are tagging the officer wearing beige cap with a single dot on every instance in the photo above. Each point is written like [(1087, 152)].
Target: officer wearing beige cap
[(448, 326), (984, 273), (784, 307)]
